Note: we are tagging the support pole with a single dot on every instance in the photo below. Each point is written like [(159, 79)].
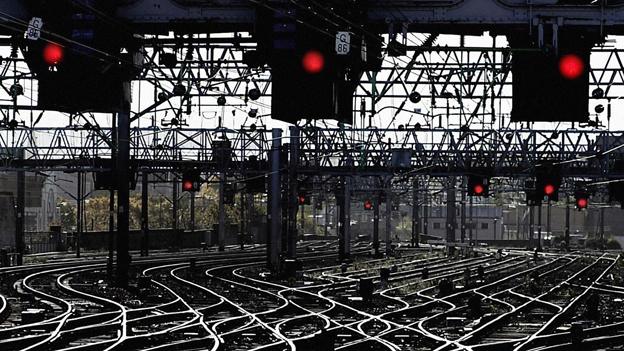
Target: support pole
[(314, 216), (285, 197), (451, 220), (518, 222), (250, 217), (111, 201), (539, 228), (376, 223), (344, 238), (292, 233), (415, 217), (567, 224), (274, 236), (548, 217), (388, 237), (144, 214), (123, 196), (242, 220), (19, 214), (79, 213), (221, 224), (531, 229), (426, 214), (462, 228), (602, 228), (111, 231), (470, 223), (302, 218), (192, 204), (326, 218), (174, 203)]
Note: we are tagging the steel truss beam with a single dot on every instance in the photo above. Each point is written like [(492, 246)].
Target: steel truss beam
[(453, 15), (363, 152), (458, 85)]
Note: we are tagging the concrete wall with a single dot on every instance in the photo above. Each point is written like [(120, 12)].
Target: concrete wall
[(166, 238)]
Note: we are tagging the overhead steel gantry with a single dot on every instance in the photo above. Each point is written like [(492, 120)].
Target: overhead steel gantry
[(444, 151), (452, 15)]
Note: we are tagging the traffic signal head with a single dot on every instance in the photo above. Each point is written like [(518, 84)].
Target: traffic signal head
[(478, 186), (478, 189), (571, 66), (551, 83), (307, 53), (547, 182), (549, 189), (53, 54), (191, 180), (313, 62), (368, 205), (187, 185), (581, 203), (303, 198), (581, 198), (87, 64)]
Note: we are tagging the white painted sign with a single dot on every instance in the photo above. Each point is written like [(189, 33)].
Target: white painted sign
[(343, 43), (33, 32)]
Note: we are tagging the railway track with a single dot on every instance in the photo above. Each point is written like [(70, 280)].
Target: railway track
[(229, 301)]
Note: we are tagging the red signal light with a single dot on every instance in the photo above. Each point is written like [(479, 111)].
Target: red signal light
[(187, 185), (368, 205), (53, 54), (571, 66), (313, 62), (549, 189), (478, 189), (301, 199), (582, 203)]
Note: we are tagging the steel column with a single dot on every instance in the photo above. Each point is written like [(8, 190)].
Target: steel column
[(415, 210), (376, 223), (531, 225), (123, 196), (388, 238), (602, 227), (192, 204), (539, 228), (221, 224), (451, 220), (344, 236), (144, 213), (174, 203), (470, 223), (19, 213), (292, 232), (274, 201), (548, 228), (242, 221), (426, 214), (78, 212), (462, 229), (567, 224), (111, 231)]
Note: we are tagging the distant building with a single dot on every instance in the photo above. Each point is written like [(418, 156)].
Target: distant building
[(486, 223)]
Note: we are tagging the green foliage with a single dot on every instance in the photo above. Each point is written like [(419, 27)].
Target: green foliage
[(68, 215), (596, 244), (160, 211), (613, 245)]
